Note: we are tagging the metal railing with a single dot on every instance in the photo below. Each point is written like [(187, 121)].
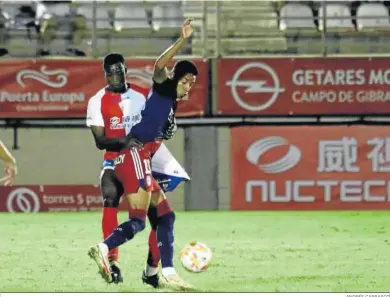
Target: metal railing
[(211, 39)]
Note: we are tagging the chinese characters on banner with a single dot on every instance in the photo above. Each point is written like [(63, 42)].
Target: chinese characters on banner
[(53, 198), (303, 86), (62, 88), (302, 167)]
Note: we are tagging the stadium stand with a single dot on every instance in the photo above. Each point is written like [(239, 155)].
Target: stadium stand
[(39, 28)]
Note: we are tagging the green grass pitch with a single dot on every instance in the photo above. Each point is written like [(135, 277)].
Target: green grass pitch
[(253, 252)]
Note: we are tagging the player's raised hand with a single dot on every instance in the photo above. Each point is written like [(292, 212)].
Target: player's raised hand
[(187, 29), (10, 173)]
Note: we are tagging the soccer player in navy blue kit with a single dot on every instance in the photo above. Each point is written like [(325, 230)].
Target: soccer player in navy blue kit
[(133, 166)]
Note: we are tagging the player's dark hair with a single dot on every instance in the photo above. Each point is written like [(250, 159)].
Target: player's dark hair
[(183, 67), (112, 59)]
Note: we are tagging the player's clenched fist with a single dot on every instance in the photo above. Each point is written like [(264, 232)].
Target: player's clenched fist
[(187, 29)]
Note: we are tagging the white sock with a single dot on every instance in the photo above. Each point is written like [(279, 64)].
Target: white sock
[(168, 271), (103, 247), (150, 271)]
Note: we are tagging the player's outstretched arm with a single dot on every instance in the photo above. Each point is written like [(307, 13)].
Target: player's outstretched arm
[(10, 165), (160, 67), (113, 144)]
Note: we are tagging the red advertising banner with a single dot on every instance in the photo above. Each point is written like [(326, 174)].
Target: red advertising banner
[(62, 88), (310, 168), (303, 86), (52, 198)]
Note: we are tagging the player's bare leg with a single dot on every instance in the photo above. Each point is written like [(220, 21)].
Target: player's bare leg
[(165, 238), (138, 206)]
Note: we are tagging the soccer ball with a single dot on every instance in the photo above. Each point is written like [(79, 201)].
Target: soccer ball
[(196, 257)]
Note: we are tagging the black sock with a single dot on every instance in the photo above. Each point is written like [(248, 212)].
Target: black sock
[(165, 238), (153, 252)]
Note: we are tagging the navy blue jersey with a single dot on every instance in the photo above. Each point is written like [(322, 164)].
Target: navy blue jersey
[(159, 107)]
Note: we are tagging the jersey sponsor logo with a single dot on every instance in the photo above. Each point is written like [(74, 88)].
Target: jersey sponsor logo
[(135, 118), (120, 159), (125, 122), (115, 120), (115, 123), (117, 126)]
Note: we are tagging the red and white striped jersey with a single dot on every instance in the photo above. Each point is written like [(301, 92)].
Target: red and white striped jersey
[(106, 109)]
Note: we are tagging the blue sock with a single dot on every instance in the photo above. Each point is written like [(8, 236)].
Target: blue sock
[(124, 232), (165, 238)]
